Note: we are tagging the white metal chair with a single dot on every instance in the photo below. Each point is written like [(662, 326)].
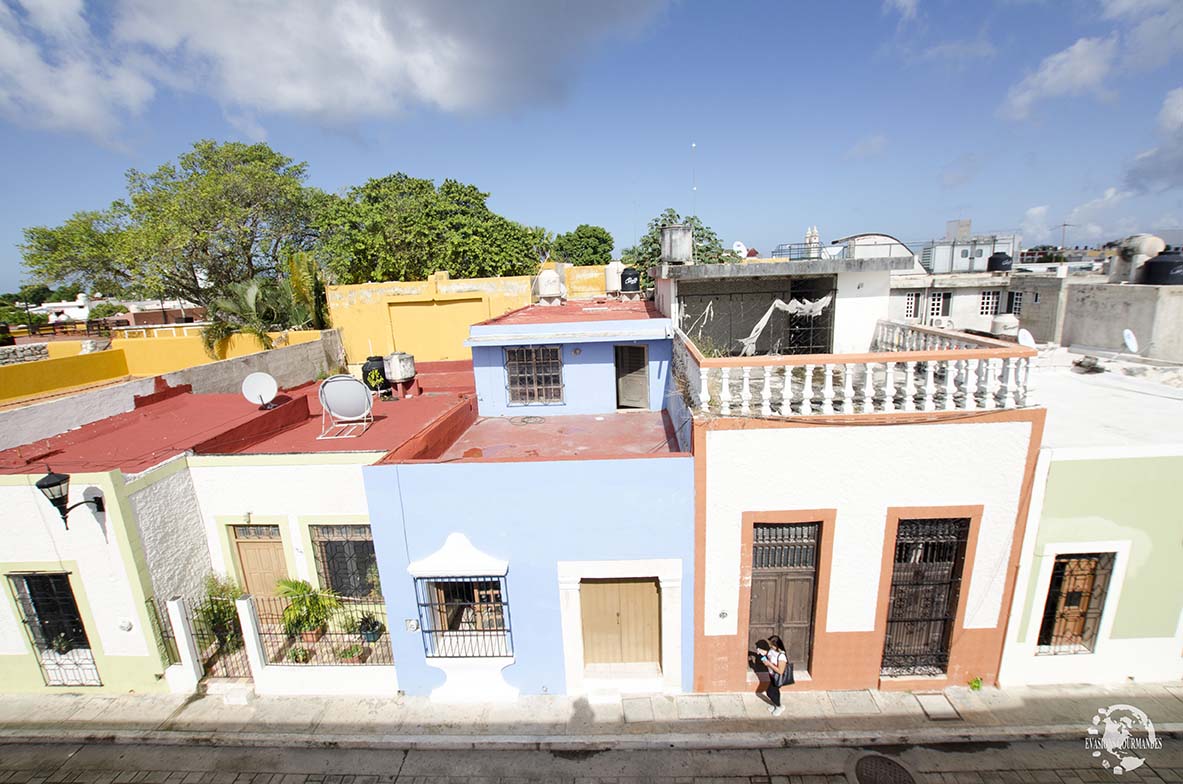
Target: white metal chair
[(346, 407)]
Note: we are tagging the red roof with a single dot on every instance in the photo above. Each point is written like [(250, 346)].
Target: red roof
[(174, 421), (574, 311)]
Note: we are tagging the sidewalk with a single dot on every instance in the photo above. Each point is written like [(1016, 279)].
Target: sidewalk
[(691, 721)]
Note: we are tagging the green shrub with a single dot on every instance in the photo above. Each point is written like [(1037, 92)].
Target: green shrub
[(300, 655), (309, 609), (217, 614)]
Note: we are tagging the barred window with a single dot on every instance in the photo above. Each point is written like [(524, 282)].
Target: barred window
[(345, 560), (911, 304), (938, 303), (1075, 601), (989, 306), (534, 374), (1015, 303), (464, 616)]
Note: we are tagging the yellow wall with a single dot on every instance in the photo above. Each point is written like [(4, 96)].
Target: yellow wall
[(157, 355), (34, 378), (430, 318), (63, 348)]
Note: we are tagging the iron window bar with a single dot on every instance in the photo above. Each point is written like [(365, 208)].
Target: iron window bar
[(464, 617), (345, 559), (1075, 603), (534, 374)]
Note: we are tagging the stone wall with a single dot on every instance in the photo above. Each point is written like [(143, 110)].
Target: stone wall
[(23, 352)]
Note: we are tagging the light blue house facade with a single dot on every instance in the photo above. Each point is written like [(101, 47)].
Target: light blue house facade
[(598, 366), (566, 566)]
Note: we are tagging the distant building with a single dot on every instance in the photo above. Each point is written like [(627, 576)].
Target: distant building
[(963, 251)]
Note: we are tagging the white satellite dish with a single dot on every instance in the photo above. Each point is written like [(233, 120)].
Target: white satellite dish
[(1130, 339), (260, 388), (740, 249), (1026, 339)]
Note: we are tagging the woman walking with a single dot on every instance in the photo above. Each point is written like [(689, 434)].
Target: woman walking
[(772, 656)]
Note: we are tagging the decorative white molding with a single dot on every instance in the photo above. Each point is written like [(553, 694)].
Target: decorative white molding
[(667, 571), (458, 558), (477, 679)]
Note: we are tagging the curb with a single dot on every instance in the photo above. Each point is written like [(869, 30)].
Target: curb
[(606, 742)]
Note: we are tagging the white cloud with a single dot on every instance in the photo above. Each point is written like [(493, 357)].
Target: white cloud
[(1034, 225), (337, 62), (959, 51), (1156, 34), (868, 147), (1161, 167), (1081, 68), (53, 73), (905, 8)]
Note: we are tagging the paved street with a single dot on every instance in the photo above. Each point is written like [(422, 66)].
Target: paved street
[(1022, 763)]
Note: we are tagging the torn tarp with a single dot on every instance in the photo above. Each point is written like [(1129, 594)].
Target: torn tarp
[(794, 307)]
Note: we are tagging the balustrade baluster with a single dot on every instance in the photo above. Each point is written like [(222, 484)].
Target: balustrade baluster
[(868, 387), (909, 386), (827, 389), (970, 386), (766, 393), (806, 407), (745, 391), (952, 368), (704, 393), (991, 392), (786, 395), (930, 390), (725, 391), (889, 386), (848, 389)]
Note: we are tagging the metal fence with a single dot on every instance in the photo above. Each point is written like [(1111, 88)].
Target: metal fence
[(217, 633), (323, 629), (162, 631), (464, 617)]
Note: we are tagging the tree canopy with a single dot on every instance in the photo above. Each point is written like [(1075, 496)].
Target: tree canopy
[(707, 248), (585, 246), (404, 228), (222, 214)]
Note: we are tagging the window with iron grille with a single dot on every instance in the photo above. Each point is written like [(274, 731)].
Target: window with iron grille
[(938, 303), (781, 546), (989, 306), (534, 374), (1015, 303), (1075, 601), (464, 617), (345, 560), (911, 304)]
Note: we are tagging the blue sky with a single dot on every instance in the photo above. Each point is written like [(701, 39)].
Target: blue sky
[(852, 116)]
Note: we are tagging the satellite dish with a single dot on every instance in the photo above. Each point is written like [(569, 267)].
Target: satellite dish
[(1026, 339), (260, 388), (740, 249), (1130, 339)]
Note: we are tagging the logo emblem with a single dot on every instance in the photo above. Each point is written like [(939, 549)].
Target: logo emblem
[(1118, 736)]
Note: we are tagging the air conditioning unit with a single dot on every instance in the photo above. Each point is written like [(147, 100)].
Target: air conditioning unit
[(942, 322)]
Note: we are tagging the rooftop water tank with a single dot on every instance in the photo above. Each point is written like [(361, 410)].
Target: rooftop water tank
[(999, 262), (1165, 269), (630, 280), (612, 277), (549, 285), (677, 244), (1005, 324), (399, 366)]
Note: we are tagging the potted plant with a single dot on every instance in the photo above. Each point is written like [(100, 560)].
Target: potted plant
[(61, 644), (308, 611), (351, 654), (370, 628), (300, 655)]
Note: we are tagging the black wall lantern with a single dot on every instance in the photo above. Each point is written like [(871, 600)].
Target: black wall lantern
[(56, 487)]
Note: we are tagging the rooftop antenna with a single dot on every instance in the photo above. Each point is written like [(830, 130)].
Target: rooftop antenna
[(693, 200), (1064, 234), (260, 388)]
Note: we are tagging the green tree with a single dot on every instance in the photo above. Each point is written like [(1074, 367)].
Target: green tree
[(404, 228), (707, 248), (221, 214), (585, 246), (254, 307), (105, 309)]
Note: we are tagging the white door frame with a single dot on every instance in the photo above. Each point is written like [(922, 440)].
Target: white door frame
[(667, 571)]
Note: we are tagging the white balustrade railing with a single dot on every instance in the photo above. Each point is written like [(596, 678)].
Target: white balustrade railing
[(913, 370)]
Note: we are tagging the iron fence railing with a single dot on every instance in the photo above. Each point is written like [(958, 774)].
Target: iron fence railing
[(217, 633), (162, 631), (323, 629)]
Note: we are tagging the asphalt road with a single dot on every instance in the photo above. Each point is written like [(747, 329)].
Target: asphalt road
[(1025, 763)]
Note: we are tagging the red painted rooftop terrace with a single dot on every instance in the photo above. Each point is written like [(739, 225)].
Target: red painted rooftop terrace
[(439, 425), (573, 311)]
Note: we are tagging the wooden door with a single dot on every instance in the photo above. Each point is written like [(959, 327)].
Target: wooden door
[(621, 621), (784, 576), (632, 377), (260, 558), (1075, 592)]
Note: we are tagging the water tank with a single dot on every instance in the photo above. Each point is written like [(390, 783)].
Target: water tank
[(1005, 324), (612, 277), (677, 244), (399, 366), (630, 280), (373, 373), (549, 285), (1134, 252), (999, 262), (1165, 269)]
